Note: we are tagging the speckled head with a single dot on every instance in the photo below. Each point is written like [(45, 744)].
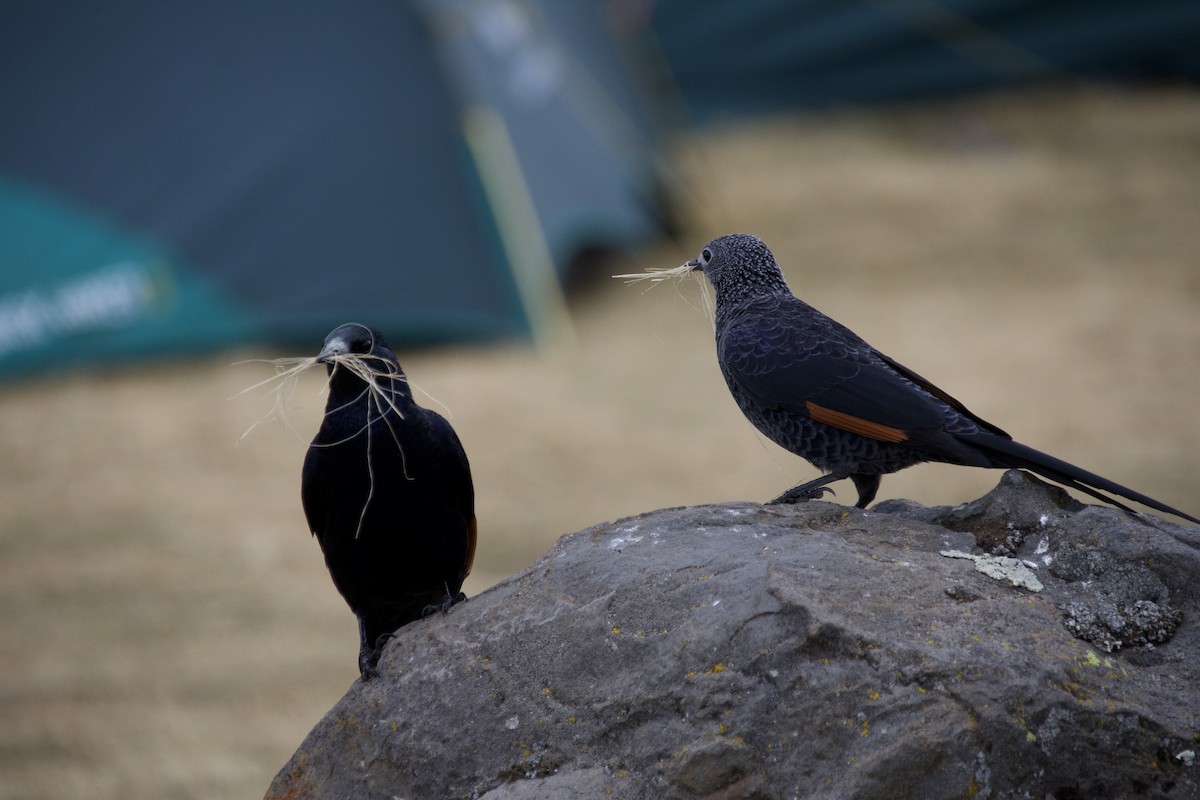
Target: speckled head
[(739, 265)]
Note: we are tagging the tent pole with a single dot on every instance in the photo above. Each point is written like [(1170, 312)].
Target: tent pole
[(521, 233)]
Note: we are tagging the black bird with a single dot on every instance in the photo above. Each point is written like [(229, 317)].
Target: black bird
[(817, 389), (387, 491)]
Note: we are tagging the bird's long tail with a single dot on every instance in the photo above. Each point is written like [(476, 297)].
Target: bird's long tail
[(1007, 453)]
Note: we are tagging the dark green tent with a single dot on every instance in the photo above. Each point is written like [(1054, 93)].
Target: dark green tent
[(184, 176), (755, 56)]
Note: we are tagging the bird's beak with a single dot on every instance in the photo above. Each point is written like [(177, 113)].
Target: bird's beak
[(690, 266), (333, 347)]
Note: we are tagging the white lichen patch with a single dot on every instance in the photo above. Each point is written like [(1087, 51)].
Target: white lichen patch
[(1001, 568), (617, 542), (738, 511)]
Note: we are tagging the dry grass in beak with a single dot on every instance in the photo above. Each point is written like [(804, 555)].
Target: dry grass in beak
[(657, 275), (379, 391), (282, 385)]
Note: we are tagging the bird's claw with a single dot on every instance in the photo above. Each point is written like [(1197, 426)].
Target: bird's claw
[(444, 605), (368, 659), (801, 494)]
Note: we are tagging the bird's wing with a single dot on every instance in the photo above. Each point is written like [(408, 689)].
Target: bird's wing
[(472, 540), (942, 395), (455, 480), (312, 495), (821, 370)]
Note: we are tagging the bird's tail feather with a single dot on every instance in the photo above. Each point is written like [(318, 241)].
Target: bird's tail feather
[(1007, 453)]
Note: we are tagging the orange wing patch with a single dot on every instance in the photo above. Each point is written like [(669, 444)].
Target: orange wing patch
[(852, 424), (473, 535)]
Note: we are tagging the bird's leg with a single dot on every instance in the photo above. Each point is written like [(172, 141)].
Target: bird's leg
[(447, 601), (377, 651), (368, 653), (812, 490), (867, 485)]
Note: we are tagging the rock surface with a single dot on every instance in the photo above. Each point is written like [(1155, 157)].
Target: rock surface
[(747, 651)]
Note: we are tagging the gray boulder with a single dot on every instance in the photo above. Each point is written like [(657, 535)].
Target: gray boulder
[(817, 651)]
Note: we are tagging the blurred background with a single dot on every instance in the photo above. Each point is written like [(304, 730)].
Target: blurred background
[(1003, 195)]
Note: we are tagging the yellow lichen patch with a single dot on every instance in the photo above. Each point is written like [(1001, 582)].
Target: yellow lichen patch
[(1077, 691)]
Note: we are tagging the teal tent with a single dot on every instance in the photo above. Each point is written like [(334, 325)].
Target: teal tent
[(180, 177), (756, 56)]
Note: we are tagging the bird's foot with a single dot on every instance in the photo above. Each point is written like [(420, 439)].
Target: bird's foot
[(810, 490), (368, 660), (368, 657), (368, 652), (444, 606), (801, 494)]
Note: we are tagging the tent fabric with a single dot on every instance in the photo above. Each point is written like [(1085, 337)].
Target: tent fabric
[(81, 289), (762, 56), (264, 172)]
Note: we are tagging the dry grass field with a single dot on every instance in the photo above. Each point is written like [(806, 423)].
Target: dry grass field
[(167, 627)]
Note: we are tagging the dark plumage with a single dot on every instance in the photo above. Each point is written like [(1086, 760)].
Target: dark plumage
[(387, 492), (815, 388)]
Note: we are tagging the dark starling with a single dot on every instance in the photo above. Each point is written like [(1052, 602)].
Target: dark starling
[(815, 388), (387, 492)]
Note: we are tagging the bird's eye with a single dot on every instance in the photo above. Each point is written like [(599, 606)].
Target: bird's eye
[(364, 342), (706, 255)]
